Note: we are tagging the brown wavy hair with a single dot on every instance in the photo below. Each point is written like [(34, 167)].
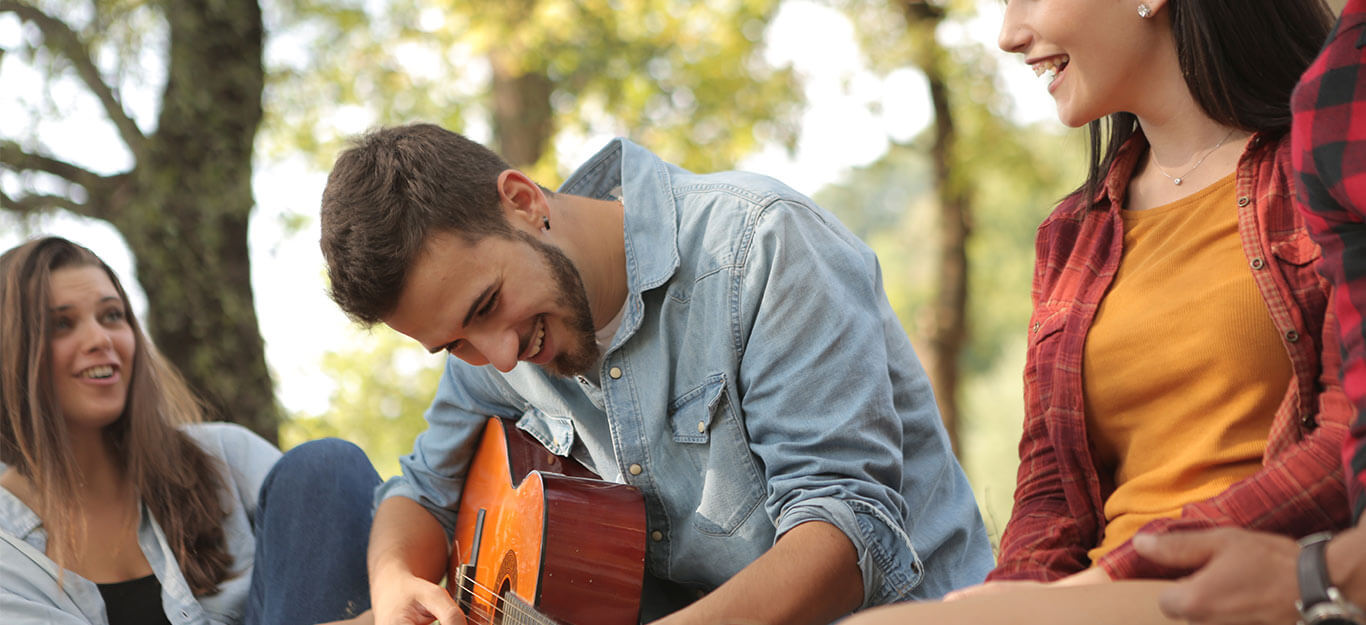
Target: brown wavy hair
[(179, 482)]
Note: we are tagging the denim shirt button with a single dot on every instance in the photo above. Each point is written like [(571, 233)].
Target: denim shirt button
[(635, 469), (701, 427), (656, 535), (615, 372)]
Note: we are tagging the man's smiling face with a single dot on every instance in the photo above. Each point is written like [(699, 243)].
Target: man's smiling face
[(498, 301)]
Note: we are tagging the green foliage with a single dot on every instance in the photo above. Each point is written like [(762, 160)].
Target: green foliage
[(660, 71), (384, 382)]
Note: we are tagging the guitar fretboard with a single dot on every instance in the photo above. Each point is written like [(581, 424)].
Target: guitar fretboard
[(518, 612)]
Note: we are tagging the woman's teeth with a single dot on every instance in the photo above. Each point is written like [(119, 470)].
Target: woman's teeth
[(98, 372), (1049, 68)]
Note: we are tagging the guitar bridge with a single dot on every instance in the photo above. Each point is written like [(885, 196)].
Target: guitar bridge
[(464, 574)]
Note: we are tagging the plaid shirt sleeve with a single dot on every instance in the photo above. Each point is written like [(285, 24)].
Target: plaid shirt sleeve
[(1047, 536), (1329, 152)]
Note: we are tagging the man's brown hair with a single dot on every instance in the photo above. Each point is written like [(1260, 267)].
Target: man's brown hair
[(386, 194)]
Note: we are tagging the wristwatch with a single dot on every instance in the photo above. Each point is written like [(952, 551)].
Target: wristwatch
[(1320, 602)]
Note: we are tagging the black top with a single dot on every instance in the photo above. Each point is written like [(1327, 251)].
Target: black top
[(134, 602)]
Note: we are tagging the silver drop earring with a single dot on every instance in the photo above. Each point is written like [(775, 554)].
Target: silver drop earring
[(1144, 11)]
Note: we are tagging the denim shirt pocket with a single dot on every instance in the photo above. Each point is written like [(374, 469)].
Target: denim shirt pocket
[(706, 430), (691, 414)]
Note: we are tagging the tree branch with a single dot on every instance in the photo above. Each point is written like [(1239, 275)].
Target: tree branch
[(106, 195), (34, 204), (14, 157), (60, 37)]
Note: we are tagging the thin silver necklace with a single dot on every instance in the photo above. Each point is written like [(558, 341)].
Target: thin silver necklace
[(1176, 180)]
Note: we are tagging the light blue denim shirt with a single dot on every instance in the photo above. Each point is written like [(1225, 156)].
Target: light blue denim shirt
[(759, 379), (29, 590)]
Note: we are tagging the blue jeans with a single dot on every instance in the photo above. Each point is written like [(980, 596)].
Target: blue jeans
[(312, 528)]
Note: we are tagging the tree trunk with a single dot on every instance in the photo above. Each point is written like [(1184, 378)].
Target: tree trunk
[(521, 112), (947, 330), (186, 221)]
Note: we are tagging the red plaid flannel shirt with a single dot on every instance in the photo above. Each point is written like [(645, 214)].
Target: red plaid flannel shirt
[(1329, 148), (1059, 495)]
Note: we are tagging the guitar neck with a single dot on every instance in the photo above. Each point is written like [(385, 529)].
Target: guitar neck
[(518, 612)]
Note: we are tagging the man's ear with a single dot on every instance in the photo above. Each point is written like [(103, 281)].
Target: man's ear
[(522, 199)]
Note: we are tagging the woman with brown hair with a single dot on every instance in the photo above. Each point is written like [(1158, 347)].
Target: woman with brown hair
[(118, 506)]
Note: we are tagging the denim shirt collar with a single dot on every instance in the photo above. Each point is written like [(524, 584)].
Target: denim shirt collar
[(651, 227), (16, 519), (651, 215)]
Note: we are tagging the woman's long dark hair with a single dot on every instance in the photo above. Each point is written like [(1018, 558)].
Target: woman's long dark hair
[(178, 481), (1240, 58)]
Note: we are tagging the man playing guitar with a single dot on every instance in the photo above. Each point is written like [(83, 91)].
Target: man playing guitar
[(718, 342)]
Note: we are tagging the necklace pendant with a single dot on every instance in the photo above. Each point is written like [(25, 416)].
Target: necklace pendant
[(1176, 181)]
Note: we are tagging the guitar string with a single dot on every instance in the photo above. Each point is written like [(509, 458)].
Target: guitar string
[(484, 617), (519, 610), (485, 609), (481, 617)]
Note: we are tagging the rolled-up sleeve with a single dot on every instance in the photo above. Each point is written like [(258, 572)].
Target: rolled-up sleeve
[(838, 409), (890, 566)]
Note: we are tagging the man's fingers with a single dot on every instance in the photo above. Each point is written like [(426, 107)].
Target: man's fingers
[(1179, 550), (440, 604)]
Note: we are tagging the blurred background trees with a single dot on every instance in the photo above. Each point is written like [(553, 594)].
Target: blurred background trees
[(202, 131), (181, 197)]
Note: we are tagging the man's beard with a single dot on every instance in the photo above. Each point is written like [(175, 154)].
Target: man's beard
[(579, 357)]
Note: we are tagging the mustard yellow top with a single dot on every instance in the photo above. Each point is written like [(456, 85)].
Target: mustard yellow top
[(1183, 369)]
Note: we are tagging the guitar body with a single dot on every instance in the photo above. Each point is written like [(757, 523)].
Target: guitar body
[(551, 536)]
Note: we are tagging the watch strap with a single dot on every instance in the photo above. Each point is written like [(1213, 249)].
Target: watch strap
[(1312, 570)]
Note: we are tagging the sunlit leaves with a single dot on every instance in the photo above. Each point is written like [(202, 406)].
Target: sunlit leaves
[(685, 78)]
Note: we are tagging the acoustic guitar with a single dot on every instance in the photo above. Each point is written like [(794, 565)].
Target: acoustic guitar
[(540, 540)]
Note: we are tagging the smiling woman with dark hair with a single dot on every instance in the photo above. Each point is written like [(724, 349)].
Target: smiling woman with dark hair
[(1182, 365), (1178, 374), (117, 505)]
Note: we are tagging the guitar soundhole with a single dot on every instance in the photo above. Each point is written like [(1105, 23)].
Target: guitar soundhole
[(507, 579)]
